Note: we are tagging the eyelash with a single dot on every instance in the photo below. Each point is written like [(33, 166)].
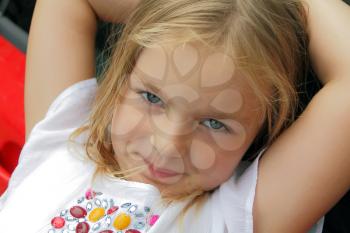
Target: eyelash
[(226, 129)]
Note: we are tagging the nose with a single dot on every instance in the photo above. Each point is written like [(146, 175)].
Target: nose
[(162, 142), (174, 121), (171, 152), (176, 134)]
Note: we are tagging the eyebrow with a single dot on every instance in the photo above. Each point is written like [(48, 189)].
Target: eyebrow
[(153, 88), (145, 80), (222, 115)]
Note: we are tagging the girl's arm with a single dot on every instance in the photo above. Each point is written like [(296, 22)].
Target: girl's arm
[(61, 47), (114, 11), (307, 170)]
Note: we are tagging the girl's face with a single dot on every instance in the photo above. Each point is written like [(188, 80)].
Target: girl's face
[(187, 118)]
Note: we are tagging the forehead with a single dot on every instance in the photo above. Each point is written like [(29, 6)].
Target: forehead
[(186, 62), (197, 73)]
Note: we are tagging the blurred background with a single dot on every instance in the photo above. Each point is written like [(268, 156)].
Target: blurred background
[(15, 19), (13, 39)]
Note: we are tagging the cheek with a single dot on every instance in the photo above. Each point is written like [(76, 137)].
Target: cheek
[(226, 165), (208, 148), (222, 170), (125, 120), (127, 115), (232, 142), (130, 129), (202, 155), (213, 165), (126, 123)]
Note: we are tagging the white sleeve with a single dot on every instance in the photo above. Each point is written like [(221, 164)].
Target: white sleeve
[(235, 198), (68, 111), (80, 89)]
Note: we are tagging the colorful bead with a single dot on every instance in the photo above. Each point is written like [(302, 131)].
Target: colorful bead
[(70, 218), (63, 213), (78, 212), (80, 200), (139, 225), (126, 205), (57, 222), (96, 214), (122, 221), (112, 210), (90, 194), (105, 203), (153, 219), (111, 201), (82, 227), (96, 226), (132, 231), (89, 206), (108, 220), (98, 202), (139, 214), (132, 208)]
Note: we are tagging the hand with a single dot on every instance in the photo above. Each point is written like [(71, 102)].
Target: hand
[(329, 33), (113, 11)]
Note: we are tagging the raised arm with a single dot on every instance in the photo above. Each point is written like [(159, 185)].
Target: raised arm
[(114, 11), (307, 170), (61, 48), (60, 53)]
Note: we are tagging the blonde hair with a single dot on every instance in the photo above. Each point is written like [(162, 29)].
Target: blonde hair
[(266, 39)]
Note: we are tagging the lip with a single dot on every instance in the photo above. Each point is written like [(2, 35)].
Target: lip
[(160, 172)]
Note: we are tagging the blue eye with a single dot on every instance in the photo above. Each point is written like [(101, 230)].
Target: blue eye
[(216, 125), (149, 97)]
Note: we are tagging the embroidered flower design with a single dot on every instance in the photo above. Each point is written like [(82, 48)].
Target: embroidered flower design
[(95, 212)]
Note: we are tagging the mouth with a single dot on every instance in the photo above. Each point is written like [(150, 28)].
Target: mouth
[(160, 172)]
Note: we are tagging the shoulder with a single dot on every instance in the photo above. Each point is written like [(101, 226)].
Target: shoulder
[(234, 198), (49, 138), (69, 110), (79, 93)]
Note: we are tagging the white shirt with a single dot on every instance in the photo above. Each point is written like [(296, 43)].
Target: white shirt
[(52, 177)]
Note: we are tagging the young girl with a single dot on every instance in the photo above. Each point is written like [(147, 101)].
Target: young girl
[(190, 87)]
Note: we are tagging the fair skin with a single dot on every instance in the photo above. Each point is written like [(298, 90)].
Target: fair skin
[(306, 171), (309, 156), (178, 118), (57, 56)]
